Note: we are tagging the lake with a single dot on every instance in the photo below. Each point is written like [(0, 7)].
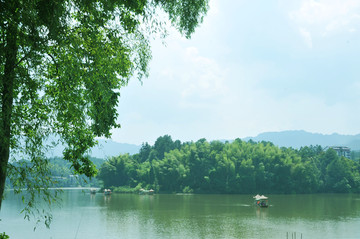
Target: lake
[(87, 216)]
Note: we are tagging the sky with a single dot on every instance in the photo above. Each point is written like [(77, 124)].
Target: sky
[(251, 67)]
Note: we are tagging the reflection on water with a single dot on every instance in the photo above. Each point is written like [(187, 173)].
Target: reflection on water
[(261, 213), (190, 216)]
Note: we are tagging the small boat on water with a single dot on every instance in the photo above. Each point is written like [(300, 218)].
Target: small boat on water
[(107, 191), (146, 192), (261, 201)]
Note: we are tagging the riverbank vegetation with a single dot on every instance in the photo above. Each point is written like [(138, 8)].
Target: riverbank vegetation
[(231, 167), (59, 174), (63, 175)]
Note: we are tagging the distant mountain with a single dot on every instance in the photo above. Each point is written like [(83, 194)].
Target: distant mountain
[(291, 138), (108, 148), (105, 149), (300, 138)]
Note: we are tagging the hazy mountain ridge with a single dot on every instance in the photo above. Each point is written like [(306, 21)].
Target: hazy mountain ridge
[(105, 149), (300, 138), (109, 148), (290, 138)]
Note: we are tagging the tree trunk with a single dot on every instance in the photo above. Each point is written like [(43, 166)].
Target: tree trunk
[(7, 96)]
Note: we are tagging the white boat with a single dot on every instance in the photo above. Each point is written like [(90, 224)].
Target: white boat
[(146, 192), (261, 201)]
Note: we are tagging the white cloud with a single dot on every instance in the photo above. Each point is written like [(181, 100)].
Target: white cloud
[(257, 84), (213, 8), (330, 13), (326, 17), (266, 113), (306, 36), (203, 78)]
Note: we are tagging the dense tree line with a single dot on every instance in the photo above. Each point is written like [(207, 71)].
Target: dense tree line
[(63, 175), (236, 167)]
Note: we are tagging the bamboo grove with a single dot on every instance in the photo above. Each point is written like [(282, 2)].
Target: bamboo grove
[(231, 167)]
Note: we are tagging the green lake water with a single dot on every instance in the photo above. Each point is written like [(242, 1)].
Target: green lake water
[(189, 216)]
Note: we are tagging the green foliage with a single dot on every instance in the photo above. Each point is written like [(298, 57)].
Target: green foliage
[(126, 189), (62, 65), (237, 167), (187, 189), (56, 172), (4, 236), (63, 176)]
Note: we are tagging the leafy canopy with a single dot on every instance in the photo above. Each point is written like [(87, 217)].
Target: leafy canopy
[(62, 63), (236, 167)]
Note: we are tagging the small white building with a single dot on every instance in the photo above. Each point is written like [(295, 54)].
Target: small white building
[(341, 151)]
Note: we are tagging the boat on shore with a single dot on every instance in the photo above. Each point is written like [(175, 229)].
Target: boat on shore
[(146, 192), (261, 201)]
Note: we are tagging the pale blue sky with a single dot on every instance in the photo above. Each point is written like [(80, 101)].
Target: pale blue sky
[(251, 67)]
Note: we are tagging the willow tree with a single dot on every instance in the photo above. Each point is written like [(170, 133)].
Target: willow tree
[(62, 63)]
